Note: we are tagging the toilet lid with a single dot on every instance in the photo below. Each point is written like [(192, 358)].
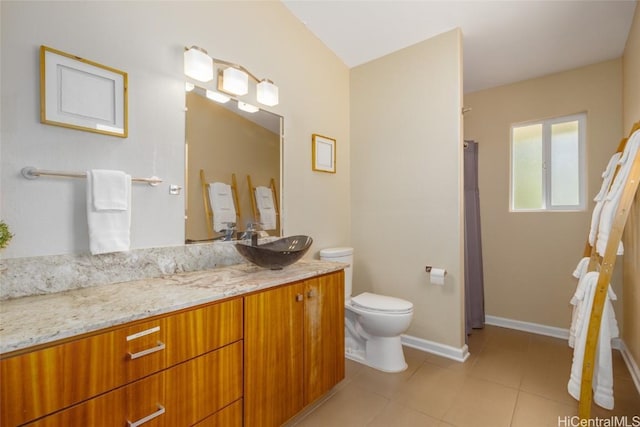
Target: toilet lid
[(383, 303)]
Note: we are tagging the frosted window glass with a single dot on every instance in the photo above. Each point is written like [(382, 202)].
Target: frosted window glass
[(527, 167), (565, 168)]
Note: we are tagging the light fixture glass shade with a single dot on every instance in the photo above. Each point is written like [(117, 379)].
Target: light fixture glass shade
[(235, 81), (267, 93), (198, 64), (217, 96), (247, 107)]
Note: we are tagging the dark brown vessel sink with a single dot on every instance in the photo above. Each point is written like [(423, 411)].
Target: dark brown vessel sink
[(277, 254)]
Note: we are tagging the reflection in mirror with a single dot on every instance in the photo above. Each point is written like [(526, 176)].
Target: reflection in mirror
[(226, 143)]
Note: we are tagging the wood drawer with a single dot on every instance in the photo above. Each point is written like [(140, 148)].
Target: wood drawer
[(47, 380), (180, 396), (231, 416), (202, 386), (131, 403)]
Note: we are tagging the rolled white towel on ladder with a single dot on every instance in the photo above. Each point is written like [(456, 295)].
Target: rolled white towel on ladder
[(266, 208), (224, 211)]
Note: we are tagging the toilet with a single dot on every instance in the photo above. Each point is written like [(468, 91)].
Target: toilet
[(373, 323)]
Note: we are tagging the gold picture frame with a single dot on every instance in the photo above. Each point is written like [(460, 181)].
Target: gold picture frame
[(323, 153), (80, 94)]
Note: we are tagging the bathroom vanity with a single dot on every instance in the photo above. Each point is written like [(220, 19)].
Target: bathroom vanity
[(232, 346)]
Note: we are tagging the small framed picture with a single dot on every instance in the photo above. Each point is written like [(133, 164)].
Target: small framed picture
[(81, 94), (323, 153)]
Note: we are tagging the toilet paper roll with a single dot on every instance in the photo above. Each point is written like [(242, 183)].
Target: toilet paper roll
[(437, 276)]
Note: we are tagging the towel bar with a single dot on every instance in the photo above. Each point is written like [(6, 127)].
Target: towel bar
[(29, 172)]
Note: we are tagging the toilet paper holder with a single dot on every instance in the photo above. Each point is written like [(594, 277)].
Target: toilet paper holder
[(428, 268)]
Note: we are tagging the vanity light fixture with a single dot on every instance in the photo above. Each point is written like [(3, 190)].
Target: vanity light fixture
[(217, 96), (198, 64), (247, 107), (233, 81), (267, 93), (232, 78)]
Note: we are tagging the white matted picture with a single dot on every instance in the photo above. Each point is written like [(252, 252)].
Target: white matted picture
[(323, 151), (81, 94)]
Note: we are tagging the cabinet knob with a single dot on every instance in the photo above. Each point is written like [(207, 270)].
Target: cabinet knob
[(299, 297), (311, 294)]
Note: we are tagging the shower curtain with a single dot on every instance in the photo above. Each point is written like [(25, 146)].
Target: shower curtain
[(474, 279)]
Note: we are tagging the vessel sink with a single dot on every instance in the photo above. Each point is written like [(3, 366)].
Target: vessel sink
[(276, 254)]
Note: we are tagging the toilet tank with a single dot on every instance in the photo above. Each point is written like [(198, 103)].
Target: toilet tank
[(341, 255)]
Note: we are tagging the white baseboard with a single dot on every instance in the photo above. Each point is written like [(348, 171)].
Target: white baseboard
[(534, 328), (552, 331), (443, 350)]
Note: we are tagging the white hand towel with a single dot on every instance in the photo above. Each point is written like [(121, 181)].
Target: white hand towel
[(110, 189), (603, 368), (630, 155), (109, 228), (264, 200), (224, 210)]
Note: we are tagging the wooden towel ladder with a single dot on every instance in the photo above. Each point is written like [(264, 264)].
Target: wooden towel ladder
[(606, 264)]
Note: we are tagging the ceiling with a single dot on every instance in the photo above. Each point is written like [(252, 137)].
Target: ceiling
[(504, 41)]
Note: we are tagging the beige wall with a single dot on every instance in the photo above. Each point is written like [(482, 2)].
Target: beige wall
[(406, 158), (529, 257), (222, 143), (147, 39), (631, 238)]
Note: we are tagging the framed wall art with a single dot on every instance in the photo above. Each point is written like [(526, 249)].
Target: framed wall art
[(323, 153), (81, 94)]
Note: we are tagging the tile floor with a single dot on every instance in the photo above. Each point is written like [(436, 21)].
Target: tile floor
[(512, 378)]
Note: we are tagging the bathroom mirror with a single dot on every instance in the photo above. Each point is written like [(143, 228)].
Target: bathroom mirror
[(223, 142)]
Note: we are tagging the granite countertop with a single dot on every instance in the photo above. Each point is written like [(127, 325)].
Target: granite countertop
[(34, 320)]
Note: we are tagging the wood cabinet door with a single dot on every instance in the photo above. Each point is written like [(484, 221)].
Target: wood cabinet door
[(273, 370), (139, 402), (323, 334)]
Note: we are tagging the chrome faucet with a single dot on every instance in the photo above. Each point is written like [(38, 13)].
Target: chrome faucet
[(229, 231), (251, 233)]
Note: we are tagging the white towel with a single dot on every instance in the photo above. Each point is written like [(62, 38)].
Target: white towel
[(581, 268), (224, 210), (264, 200), (108, 212), (603, 368), (607, 177), (629, 156)]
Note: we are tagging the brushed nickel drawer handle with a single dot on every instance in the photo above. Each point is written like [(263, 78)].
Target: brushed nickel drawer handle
[(149, 417), (143, 333), (160, 346)]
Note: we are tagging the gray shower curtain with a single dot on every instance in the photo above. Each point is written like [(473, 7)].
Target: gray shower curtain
[(474, 278)]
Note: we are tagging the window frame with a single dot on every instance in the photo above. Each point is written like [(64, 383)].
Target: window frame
[(547, 206)]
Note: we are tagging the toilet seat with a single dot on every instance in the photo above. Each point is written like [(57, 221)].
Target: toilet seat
[(381, 303)]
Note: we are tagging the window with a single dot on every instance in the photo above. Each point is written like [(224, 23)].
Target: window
[(547, 164)]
